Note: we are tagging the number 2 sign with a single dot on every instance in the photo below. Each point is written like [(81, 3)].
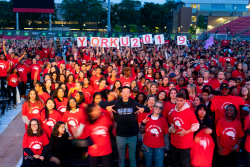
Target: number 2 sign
[(135, 42), (159, 39), (181, 40)]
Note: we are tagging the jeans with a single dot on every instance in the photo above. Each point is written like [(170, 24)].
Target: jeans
[(248, 158), (228, 160), (13, 90), (121, 146), (32, 163), (93, 161), (180, 157), (3, 80), (156, 154)]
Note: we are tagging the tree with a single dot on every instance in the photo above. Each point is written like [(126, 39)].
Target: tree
[(191, 30), (7, 16), (117, 28), (132, 28), (82, 10), (201, 22)]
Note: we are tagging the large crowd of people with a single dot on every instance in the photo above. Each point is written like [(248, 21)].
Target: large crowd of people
[(168, 104)]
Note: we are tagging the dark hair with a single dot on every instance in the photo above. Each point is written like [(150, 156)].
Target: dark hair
[(126, 87), (169, 98), (12, 71), (56, 92), (68, 106), (201, 99), (96, 94), (39, 129), (67, 79), (235, 109), (82, 99), (40, 84), (63, 76), (37, 100), (181, 95), (46, 109), (66, 90), (55, 132), (166, 96), (231, 79), (89, 110), (195, 73), (206, 121), (186, 93), (205, 91), (144, 97)]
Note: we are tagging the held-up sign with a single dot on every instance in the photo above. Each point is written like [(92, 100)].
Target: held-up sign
[(81, 41), (147, 39), (105, 42), (124, 41), (181, 40), (159, 39), (95, 41), (135, 42), (114, 42)]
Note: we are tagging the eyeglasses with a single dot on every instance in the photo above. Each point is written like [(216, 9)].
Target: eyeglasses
[(34, 124), (158, 107)]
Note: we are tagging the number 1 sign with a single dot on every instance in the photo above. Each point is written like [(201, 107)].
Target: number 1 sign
[(181, 40), (159, 39)]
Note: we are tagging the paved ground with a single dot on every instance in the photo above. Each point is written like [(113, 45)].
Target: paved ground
[(11, 142)]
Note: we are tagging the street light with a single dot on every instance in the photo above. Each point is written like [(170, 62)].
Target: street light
[(235, 10)]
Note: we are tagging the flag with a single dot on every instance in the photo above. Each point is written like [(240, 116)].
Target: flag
[(209, 42)]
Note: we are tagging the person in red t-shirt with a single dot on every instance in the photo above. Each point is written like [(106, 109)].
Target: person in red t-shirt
[(94, 80), (229, 134), (126, 79), (239, 73), (42, 95), (201, 65), (220, 79), (154, 126), (183, 125), (35, 71), (35, 144), (13, 81), (97, 131), (60, 100), (4, 69)]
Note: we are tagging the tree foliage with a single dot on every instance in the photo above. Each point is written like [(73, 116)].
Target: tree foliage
[(201, 24), (117, 28), (7, 17), (191, 30), (132, 28)]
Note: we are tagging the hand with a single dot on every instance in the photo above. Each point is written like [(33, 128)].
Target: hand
[(235, 147), (140, 110), (172, 129), (196, 139), (182, 133), (56, 160), (41, 158), (110, 108), (220, 149), (70, 138), (36, 156), (145, 120), (94, 146)]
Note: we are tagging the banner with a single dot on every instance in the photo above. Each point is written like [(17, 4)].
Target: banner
[(105, 42), (59, 34), (172, 36), (209, 42), (159, 39), (75, 34), (17, 32)]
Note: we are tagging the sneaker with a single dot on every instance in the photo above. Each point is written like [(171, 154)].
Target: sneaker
[(14, 107)]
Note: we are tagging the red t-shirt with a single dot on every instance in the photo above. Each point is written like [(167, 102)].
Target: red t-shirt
[(167, 109), (154, 132), (94, 81), (44, 97), (13, 80), (88, 94), (220, 102), (99, 134), (74, 120), (237, 74), (45, 53), (208, 82), (4, 65), (216, 84), (48, 124), (149, 77), (229, 132), (35, 143), (165, 88), (202, 152), (182, 120), (61, 106), (197, 68), (22, 72), (71, 85), (13, 63), (33, 111), (33, 69), (247, 127), (126, 81), (142, 116), (110, 82), (225, 42)]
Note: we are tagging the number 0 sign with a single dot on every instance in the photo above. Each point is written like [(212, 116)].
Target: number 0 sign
[(147, 39), (181, 40)]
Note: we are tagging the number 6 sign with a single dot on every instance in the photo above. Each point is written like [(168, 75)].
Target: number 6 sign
[(135, 42), (181, 40)]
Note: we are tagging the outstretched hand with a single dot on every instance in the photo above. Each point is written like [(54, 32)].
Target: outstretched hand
[(110, 108), (140, 110)]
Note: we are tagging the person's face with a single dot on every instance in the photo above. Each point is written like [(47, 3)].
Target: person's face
[(234, 92), (151, 102), (60, 93), (240, 67), (50, 104), (206, 75), (98, 71), (191, 80), (230, 111), (171, 86), (109, 69), (140, 98), (184, 74), (2, 57), (54, 76), (133, 84), (180, 102), (113, 73), (197, 101), (64, 87), (85, 81), (165, 81), (158, 108), (173, 94), (111, 96), (221, 76), (200, 81), (83, 67), (61, 129), (78, 86), (231, 83), (77, 97), (48, 83), (128, 73), (153, 89), (96, 113), (201, 61), (97, 99), (72, 103), (71, 78), (205, 96), (244, 91), (224, 92), (201, 113), (32, 95), (162, 95), (125, 93), (117, 85), (102, 84), (247, 84), (34, 61), (34, 126), (157, 75), (237, 83), (181, 81)]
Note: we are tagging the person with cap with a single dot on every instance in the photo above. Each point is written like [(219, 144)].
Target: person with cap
[(125, 111), (220, 102), (173, 77)]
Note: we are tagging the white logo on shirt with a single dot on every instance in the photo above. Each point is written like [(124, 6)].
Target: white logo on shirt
[(36, 68), (154, 131), (21, 69), (100, 130), (231, 134), (36, 146), (35, 111), (204, 142)]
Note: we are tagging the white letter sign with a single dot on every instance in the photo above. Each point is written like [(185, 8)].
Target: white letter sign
[(181, 40), (124, 41), (95, 41), (147, 39), (114, 42), (159, 39), (135, 42), (105, 42), (81, 41)]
